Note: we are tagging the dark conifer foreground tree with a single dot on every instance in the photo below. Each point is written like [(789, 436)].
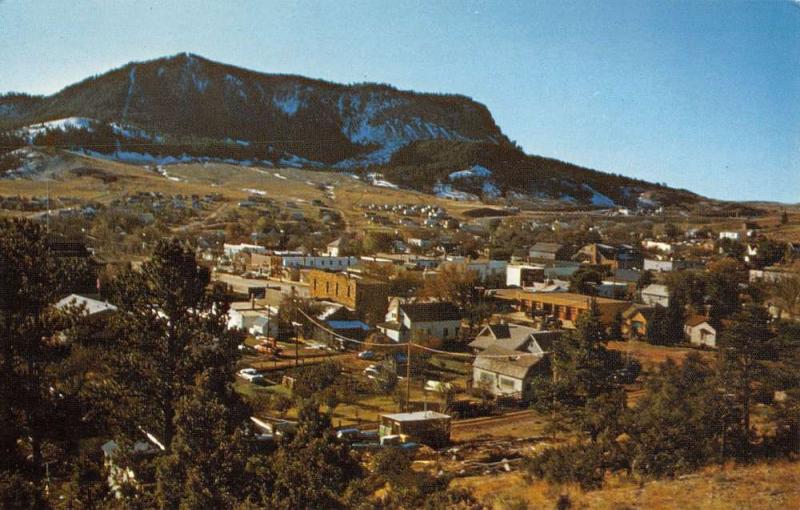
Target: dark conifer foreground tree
[(31, 279), (170, 328), (745, 345)]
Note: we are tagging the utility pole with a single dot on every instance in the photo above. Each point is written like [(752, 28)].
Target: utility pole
[(408, 376)]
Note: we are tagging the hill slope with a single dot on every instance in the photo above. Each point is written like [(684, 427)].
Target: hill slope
[(186, 107), (187, 95)]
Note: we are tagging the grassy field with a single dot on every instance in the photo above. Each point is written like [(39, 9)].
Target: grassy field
[(651, 355), (761, 486), (67, 174)]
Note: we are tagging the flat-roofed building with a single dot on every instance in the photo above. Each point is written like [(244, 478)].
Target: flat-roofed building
[(368, 297), (427, 427), (566, 306)]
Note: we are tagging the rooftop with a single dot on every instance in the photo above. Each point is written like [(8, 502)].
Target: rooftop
[(429, 312), (556, 298), (417, 416), (507, 362)]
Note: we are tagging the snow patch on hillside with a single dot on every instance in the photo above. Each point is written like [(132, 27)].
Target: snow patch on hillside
[(378, 157), (645, 201), (490, 190), (447, 191), (146, 158), (131, 84), (365, 122), (474, 171), (32, 131), (295, 161), (598, 198), (127, 131), (379, 180), (288, 102), (237, 85)]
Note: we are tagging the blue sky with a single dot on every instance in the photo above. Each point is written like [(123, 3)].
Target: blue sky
[(701, 95)]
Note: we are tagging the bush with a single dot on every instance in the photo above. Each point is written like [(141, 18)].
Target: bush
[(582, 464)]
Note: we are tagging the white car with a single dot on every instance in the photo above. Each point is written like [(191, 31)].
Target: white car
[(250, 374), (372, 371)]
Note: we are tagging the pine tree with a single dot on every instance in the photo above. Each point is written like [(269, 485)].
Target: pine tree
[(744, 346), (582, 370), (171, 327), (31, 280), (206, 468)]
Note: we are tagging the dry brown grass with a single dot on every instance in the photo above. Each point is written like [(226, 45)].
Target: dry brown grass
[(232, 181), (762, 486), (651, 355)]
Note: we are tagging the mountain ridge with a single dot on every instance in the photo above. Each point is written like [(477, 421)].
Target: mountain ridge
[(188, 106)]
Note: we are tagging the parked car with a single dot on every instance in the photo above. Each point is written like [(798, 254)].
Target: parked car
[(367, 355), (348, 435), (250, 374), (373, 371)]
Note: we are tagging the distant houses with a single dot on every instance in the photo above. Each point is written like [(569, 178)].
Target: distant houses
[(655, 294), (506, 372), (369, 298), (514, 337), (564, 306), (549, 252), (620, 256), (700, 331), (413, 321)]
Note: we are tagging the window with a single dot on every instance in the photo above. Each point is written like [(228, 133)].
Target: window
[(505, 382), (486, 377), (444, 332)]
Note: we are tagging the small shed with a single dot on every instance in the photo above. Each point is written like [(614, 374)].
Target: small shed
[(427, 427)]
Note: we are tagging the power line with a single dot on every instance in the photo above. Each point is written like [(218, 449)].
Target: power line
[(409, 344)]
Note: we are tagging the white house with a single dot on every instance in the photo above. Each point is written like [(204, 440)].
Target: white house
[(334, 248), (505, 372), (410, 321), (657, 246), (231, 250), (733, 235), (252, 318), (700, 332), (655, 294), (661, 266), (524, 275), (485, 268)]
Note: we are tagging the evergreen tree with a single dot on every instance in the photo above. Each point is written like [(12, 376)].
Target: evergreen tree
[(675, 320), (657, 327), (313, 470), (744, 347), (207, 464), (31, 280), (582, 382), (615, 331), (171, 327), (678, 424)]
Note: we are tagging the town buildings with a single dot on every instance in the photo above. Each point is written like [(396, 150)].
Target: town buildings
[(367, 297)]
